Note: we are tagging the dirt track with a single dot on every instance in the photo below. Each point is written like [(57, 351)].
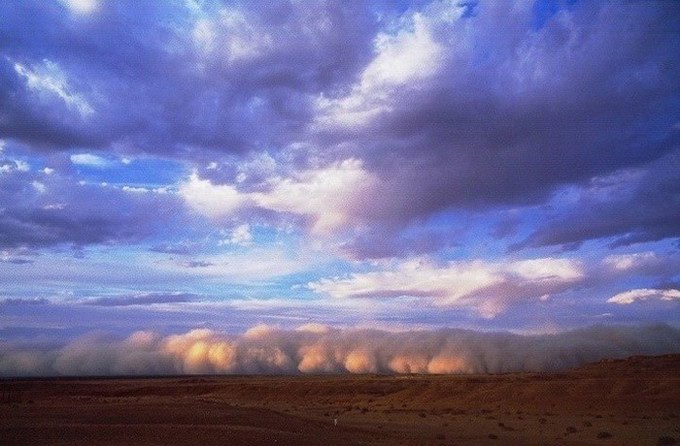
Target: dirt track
[(636, 401)]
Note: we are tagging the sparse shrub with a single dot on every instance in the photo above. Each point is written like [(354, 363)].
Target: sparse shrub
[(587, 424), (571, 429), (440, 437), (666, 441), (603, 435), (542, 420), (493, 436), (422, 415)]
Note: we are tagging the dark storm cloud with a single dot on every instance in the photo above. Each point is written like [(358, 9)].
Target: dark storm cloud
[(39, 210), (383, 243), (510, 112), (628, 210), (165, 77), (510, 102)]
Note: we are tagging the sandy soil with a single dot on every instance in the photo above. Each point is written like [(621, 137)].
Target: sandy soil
[(629, 402)]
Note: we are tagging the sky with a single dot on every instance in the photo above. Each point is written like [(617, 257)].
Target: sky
[(206, 172)]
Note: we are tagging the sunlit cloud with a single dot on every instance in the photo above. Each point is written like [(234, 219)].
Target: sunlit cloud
[(485, 287), (643, 294), (327, 195), (83, 7), (89, 160), (48, 78)]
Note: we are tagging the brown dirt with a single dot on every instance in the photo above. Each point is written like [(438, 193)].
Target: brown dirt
[(633, 401)]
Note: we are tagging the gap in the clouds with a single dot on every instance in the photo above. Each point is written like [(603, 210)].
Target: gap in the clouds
[(544, 10), (141, 172)]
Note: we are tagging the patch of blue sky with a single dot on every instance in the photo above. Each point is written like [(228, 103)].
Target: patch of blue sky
[(144, 172), (544, 10)]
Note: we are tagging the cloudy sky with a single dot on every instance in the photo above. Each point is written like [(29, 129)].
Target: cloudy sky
[(219, 165)]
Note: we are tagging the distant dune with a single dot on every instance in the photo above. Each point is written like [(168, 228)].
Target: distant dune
[(630, 401)]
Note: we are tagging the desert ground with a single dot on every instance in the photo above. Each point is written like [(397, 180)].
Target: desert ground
[(623, 402)]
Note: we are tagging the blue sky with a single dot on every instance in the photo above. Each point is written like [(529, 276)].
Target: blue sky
[(485, 165)]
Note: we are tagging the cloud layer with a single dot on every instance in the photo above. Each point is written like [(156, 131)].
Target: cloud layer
[(425, 163)]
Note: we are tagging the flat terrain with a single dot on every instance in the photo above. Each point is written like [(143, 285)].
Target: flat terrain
[(627, 402)]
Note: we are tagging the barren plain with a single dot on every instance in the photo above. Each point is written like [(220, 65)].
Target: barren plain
[(623, 402)]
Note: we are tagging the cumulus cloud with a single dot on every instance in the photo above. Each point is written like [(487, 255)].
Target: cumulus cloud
[(486, 287), (177, 76), (325, 195), (642, 294), (412, 111), (241, 235), (89, 159), (81, 6), (265, 349), (458, 135)]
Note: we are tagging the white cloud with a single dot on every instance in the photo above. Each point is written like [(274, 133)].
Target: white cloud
[(22, 166), (38, 186), (409, 55), (240, 235), (325, 194), (230, 36), (642, 294), (81, 7), (15, 165), (402, 59), (486, 287), (144, 190), (209, 199), (48, 78), (90, 160), (641, 263)]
